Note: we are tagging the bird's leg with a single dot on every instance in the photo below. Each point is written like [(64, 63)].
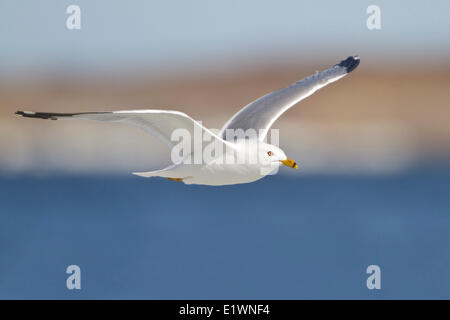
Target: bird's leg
[(175, 179)]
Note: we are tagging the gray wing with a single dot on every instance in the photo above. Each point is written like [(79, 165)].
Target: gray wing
[(263, 112), (159, 123)]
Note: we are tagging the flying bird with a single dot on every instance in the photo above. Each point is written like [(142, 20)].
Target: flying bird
[(222, 167)]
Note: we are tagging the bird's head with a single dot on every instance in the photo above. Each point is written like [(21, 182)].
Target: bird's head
[(272, 155)]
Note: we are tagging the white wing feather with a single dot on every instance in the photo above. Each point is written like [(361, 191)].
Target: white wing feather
[(263, 112), (158, 123)]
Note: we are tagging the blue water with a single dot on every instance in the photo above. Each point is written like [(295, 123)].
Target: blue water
[(278, 238)]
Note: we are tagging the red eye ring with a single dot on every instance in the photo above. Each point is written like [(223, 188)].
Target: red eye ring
[(270, 153)]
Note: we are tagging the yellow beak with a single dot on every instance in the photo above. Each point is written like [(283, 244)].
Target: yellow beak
[(290, 163)]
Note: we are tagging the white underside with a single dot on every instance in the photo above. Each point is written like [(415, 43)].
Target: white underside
[(212, 174)]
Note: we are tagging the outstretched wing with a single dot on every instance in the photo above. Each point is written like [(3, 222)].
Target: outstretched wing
[(263, 112), (159, 123)]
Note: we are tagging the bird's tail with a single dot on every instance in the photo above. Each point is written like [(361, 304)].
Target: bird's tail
[(165, 173)]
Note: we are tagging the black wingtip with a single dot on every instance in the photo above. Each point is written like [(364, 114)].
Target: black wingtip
[(38, 115), (53, 115), (350, 63)]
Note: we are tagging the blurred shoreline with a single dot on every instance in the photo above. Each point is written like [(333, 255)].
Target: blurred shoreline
[(372, 122)]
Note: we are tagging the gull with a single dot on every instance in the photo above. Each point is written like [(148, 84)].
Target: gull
[(258, 115)]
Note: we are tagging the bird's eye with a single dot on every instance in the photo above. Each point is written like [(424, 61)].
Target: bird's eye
[(270, 153)]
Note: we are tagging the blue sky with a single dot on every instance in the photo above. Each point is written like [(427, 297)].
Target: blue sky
[(158, 34)]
